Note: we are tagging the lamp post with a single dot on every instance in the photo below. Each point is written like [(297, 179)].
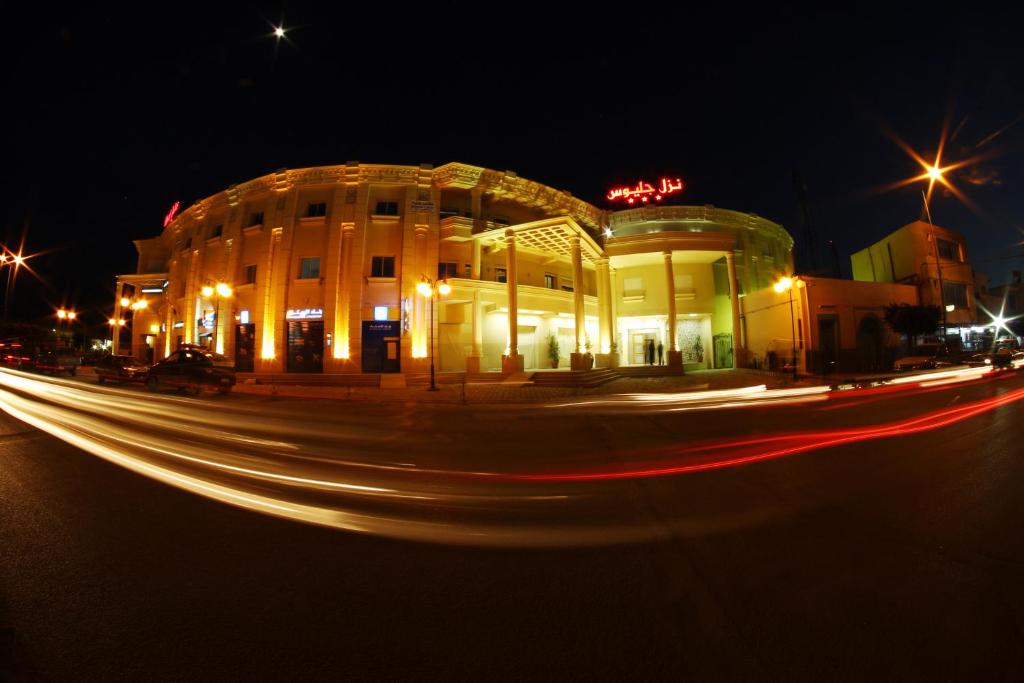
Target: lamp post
[(65, 317), (115, 323), (432, 289), (14, 262), (218, 291), (935, 173), (786, 284)]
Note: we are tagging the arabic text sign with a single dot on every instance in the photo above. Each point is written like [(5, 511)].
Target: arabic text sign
[(304, 314), (644, 192)]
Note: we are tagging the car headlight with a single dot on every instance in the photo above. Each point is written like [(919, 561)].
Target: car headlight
[(988, 361)]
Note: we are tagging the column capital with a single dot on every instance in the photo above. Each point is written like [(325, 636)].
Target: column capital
[(348, 226), (667, 255), (421, 229), (510, 235)]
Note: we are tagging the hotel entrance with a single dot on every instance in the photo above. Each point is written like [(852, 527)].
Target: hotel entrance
[(639, 342), (305, 346)]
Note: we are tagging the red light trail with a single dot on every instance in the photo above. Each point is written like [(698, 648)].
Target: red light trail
[(787, 444)]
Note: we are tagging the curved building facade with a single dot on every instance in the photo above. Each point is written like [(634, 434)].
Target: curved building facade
[(323, 265)]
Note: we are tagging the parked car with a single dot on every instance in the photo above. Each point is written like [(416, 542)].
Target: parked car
[(193, 369), (56, 362), (925, 356), (120, 369)]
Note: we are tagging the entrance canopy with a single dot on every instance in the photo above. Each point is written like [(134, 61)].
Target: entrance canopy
[(548, 237)]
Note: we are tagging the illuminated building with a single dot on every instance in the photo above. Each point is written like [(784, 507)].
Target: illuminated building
[(323, 266)]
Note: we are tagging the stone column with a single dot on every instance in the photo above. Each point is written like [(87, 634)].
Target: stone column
[(675, 356), (577, 360), (268, 348), (342, 304), (476, 207), (475, 261), (605, 357), (420, 304), (115, 333), (473, 360), (738, 352), (513, 362)]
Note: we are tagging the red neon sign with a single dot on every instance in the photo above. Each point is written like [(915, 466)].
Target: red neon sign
[(644, 192), (170, 214)]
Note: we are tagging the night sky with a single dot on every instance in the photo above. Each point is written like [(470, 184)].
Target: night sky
[(113, 115)]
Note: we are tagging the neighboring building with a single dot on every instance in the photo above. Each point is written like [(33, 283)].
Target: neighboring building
[(921, 254), (839, 325), (324, 264)]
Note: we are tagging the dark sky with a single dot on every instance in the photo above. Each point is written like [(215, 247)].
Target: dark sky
[(113, 114)]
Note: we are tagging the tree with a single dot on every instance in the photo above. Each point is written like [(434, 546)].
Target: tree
[(912, 320)]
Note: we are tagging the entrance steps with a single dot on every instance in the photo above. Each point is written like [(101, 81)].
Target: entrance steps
[(422, 380), (574, 378), (648, 371), (310, 379)]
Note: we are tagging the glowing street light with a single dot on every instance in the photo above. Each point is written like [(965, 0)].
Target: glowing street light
[(62, 314), (279, 31), (786, 284), (432, 289)]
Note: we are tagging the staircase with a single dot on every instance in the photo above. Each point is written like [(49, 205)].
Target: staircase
[(574, 378), (648, 371)]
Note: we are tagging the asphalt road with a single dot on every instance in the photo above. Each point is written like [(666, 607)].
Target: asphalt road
[(896, 558)]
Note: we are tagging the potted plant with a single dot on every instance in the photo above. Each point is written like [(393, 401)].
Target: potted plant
[(553, 350)]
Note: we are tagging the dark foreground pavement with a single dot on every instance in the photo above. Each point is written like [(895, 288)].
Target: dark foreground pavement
[(900, 559)]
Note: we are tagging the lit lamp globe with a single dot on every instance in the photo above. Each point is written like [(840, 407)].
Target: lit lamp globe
[(207, 291), (424, 288), (444, 289), (223, 290)]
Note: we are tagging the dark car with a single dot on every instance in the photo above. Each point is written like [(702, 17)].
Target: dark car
[(56, 362), (925, 356), (120, 369), (192, 369)]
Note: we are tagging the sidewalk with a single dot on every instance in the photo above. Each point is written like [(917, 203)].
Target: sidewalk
[(496, 392)]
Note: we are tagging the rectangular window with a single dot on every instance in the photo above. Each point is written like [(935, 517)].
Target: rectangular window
[(948, 249), (500, 275), (955, 293), (550, 281), (216, 231), (632, 286), (386, 209), (447, 269), (567, 288), (469, 271), (383, 266), (317, 210), (309, 268), (250, 274), (255, 218)]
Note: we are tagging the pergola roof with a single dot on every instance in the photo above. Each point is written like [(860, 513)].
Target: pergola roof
[(550, 236)]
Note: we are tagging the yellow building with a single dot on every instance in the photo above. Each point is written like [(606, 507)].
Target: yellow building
[(321, 267), (921, 254)]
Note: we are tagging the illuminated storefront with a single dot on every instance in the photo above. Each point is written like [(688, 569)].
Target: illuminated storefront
[(319, 270)]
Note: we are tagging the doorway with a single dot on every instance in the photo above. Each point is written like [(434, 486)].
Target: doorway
[(245, 347), (305, 346), (381, 346), (828, 336), (639, 342)]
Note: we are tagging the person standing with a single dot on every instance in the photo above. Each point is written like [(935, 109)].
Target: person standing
[(650, 352), (661, 353)]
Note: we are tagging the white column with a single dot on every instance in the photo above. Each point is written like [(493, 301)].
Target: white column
[(670, 283), (675, 357), (475, 261), (513, 362), (734, 301), (473, 360), (578, 309)]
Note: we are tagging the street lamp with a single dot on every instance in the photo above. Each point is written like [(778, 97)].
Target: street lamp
[(115, 323), (432, 289), (786, 284)]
